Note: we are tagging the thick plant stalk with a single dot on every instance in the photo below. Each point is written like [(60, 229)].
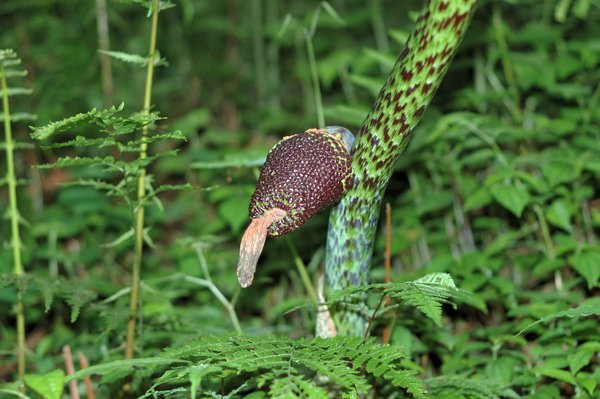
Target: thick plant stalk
[(141, 195), (14, 218), (383, 136)]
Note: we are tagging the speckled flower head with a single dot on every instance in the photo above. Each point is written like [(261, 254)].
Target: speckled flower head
[(302, 175)]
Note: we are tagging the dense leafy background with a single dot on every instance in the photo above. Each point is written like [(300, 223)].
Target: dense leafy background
[(499, 186)]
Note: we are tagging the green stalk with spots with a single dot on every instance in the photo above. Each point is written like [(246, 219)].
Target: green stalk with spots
[(383, 136)]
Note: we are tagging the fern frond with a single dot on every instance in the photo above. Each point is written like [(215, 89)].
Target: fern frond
[(11, 73), (81, 141), (106, 119), (282, 362), (427, 293), (584, 310), (19, 116), (18, 145), (134, 58), (460, 387), (46, 131), (296, 387), (16, 91), (65, 162)]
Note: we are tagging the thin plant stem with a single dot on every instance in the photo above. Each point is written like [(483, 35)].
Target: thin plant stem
[(388, 264), (220, 297), (141, 194), (104, 44), (373, 316), (14, 220), (87, 381), (315, 79), (68, 356), (302, 271), (258, 46)]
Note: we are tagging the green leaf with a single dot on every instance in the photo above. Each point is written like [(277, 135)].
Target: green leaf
[(234, 211), (581, 356), (559, 216), (134, 58), (580, 311), (14, 392), (48, 386), (16, 91), (557, 374), (560, 171), (128, 365), (478, 199), (513, 198), (19, 116), (587, 381), (121, 239), (587, 264)]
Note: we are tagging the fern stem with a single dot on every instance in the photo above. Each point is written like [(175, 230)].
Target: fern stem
[(141, 193), (14, 219)]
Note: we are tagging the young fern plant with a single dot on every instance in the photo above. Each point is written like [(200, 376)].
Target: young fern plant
[(283, 367), (129, 135), (8, 62)]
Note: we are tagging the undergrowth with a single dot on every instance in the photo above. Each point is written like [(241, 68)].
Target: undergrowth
[(494, 206)]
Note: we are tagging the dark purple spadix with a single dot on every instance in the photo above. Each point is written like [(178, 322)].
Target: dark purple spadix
[(302, 175)]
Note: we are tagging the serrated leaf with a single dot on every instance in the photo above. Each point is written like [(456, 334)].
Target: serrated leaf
[(558, 215), (16, 91), (48, 386), (557, 374), (19, 116), (134, 58), (46, 131), (587, 264), (65, 162), (513, 198), (128, 365), (581, 356)]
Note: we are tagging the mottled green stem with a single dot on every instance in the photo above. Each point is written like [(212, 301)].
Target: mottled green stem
[(383, 136), (14, 217), (141, 195)]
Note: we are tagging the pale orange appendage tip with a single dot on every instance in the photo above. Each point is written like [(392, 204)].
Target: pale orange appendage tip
[(252, 244)]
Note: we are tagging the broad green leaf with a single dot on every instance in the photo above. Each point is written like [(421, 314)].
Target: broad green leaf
[(587, 381), (581, 356), (513, 198), (235, 212), (558, 215), (478, 199), (557, 374), (558, 172), (587, 264), (48, 386)]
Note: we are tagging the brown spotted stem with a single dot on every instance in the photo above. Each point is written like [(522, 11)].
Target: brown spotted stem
[(252, 244)]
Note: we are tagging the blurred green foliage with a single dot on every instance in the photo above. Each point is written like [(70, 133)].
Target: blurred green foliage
[(499, 186)]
